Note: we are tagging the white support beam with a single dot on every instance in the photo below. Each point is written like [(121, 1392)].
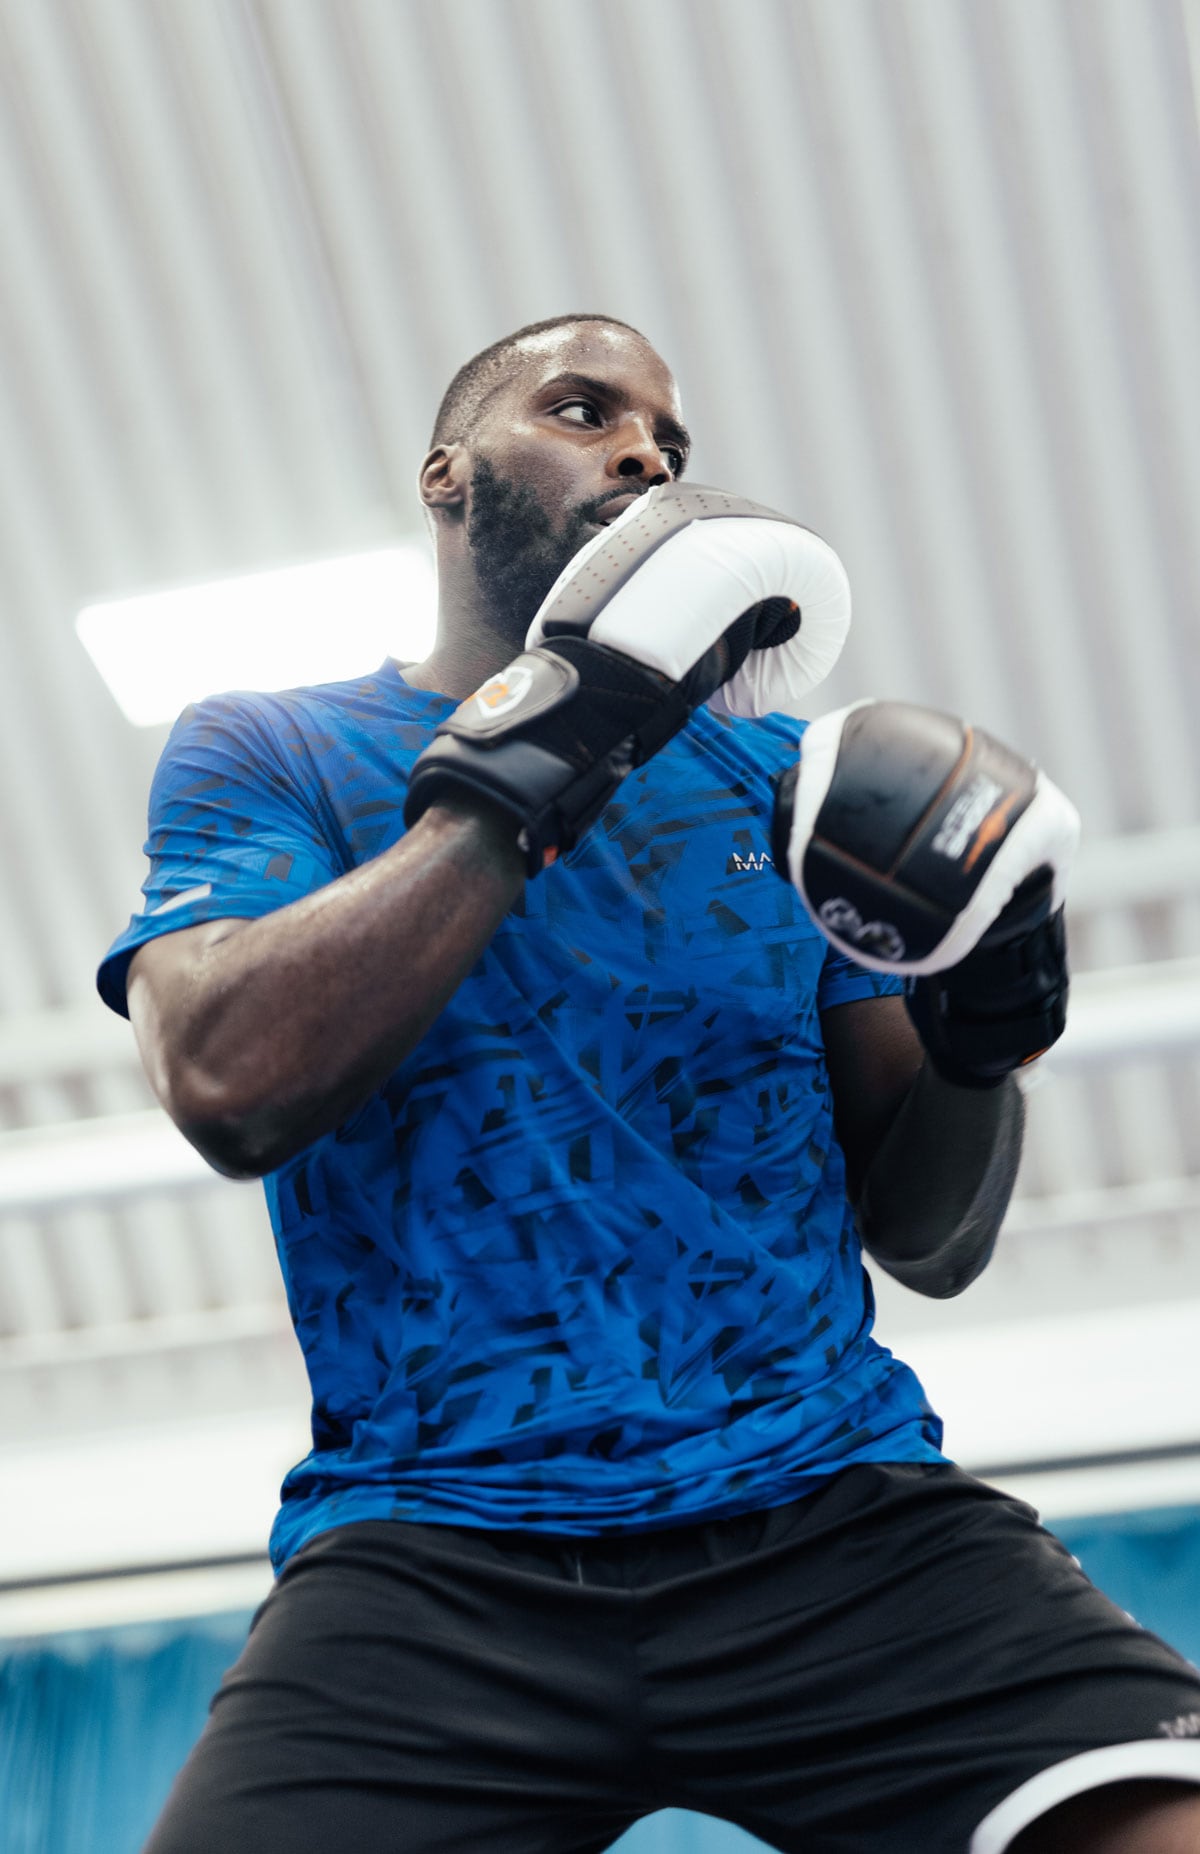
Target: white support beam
[(1129, 1012), (116, 1155), (1111, 874), (1129, 871), (1141, 867), (260, 1322), (1069, 1213), (1116, 1016), (100, 1602), (251, 1322), (1191, 20), (79, 1039), (1023, 1393)]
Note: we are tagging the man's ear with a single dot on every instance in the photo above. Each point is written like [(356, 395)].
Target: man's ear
[(443, 477)]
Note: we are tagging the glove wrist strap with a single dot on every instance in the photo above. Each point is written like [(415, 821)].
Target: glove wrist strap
[(1004, 1005)]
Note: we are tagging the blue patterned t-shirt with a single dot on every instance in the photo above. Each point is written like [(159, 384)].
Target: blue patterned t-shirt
[(585, 1263)]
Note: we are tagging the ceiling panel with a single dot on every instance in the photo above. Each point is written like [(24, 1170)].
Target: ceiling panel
[(929, 273)]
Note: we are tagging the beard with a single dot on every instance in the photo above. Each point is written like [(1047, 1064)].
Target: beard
[(517, 550)]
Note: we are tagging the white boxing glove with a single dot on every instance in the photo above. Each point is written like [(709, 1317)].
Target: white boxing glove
[(923, 846), (690, 594), (667, 577)]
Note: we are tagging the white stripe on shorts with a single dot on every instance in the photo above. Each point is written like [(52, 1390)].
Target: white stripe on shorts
[(1178, 1759)]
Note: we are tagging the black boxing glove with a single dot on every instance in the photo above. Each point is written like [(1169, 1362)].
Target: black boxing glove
[(689, 591), (923, 846)]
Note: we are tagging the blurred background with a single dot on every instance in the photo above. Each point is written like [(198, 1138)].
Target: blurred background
[(928, 272)]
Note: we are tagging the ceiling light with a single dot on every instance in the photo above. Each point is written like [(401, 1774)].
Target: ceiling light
[(321, 622)]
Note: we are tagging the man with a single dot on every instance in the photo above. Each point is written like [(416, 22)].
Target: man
[(614, 1503)]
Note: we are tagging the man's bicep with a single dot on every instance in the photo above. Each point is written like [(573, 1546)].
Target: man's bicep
[(873, 1055), (164, 966)]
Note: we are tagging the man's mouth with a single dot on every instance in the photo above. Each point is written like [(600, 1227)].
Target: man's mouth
[(616, 505)]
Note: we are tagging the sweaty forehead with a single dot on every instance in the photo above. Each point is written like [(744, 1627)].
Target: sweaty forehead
[(607, 353)]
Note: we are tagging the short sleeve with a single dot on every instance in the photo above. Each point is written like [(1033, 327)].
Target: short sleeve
[(233, 832), (843, 981)]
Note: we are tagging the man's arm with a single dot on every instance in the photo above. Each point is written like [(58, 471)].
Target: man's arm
[(923, 847), (930, 1166), (259, 1036)]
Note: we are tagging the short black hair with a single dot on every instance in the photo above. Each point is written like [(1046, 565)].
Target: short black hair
[(477, 378)]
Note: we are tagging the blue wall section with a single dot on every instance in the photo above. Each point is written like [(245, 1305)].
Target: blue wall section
[(94, 1725), (1149, 1563)]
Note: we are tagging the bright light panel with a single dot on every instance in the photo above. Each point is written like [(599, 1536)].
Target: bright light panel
[(321, 622)]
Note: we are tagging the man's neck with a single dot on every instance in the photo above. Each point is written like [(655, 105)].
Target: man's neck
[(473, 642), (463, 657)]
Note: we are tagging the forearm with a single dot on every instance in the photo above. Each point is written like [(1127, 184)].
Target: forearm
[(286, 1024), (935, 1194)]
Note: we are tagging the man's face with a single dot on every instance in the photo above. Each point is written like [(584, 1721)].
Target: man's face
[(562, 447)]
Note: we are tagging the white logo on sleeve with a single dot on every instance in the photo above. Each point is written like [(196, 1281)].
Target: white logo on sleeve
[(200, 893)]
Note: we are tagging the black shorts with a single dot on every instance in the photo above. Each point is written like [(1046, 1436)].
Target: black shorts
[(882, 1665)]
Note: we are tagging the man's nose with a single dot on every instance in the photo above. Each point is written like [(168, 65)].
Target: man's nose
[(637, 454)]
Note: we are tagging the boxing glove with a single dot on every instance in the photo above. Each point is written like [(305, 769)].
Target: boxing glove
[(923, 846), (689, 594)]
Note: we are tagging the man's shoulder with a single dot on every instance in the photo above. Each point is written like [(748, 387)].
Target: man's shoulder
[(383, 690), (308, 717), (771, 733), (766, 743)]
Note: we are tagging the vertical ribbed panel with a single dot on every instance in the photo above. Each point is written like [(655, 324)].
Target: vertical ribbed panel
[(930, 278)]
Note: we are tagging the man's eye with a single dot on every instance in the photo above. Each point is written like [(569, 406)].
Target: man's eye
[(580, 411), (675, 458)]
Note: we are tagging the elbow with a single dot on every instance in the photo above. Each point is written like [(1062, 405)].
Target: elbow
[(228, 1149), (223, 1086), (239, 1139), (934, 1282), (943, 1272), (240, 1149)]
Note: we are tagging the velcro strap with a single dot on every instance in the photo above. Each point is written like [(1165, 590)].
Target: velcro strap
[(1001, 1007), (533, 699), (529, 687)]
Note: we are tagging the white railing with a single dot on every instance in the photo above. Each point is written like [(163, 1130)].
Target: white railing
[(1116, 1016)]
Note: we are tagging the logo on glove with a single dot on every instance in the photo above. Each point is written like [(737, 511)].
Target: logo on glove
[(1187, 1725), (974, 821), (880, 938), (505, 691)]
